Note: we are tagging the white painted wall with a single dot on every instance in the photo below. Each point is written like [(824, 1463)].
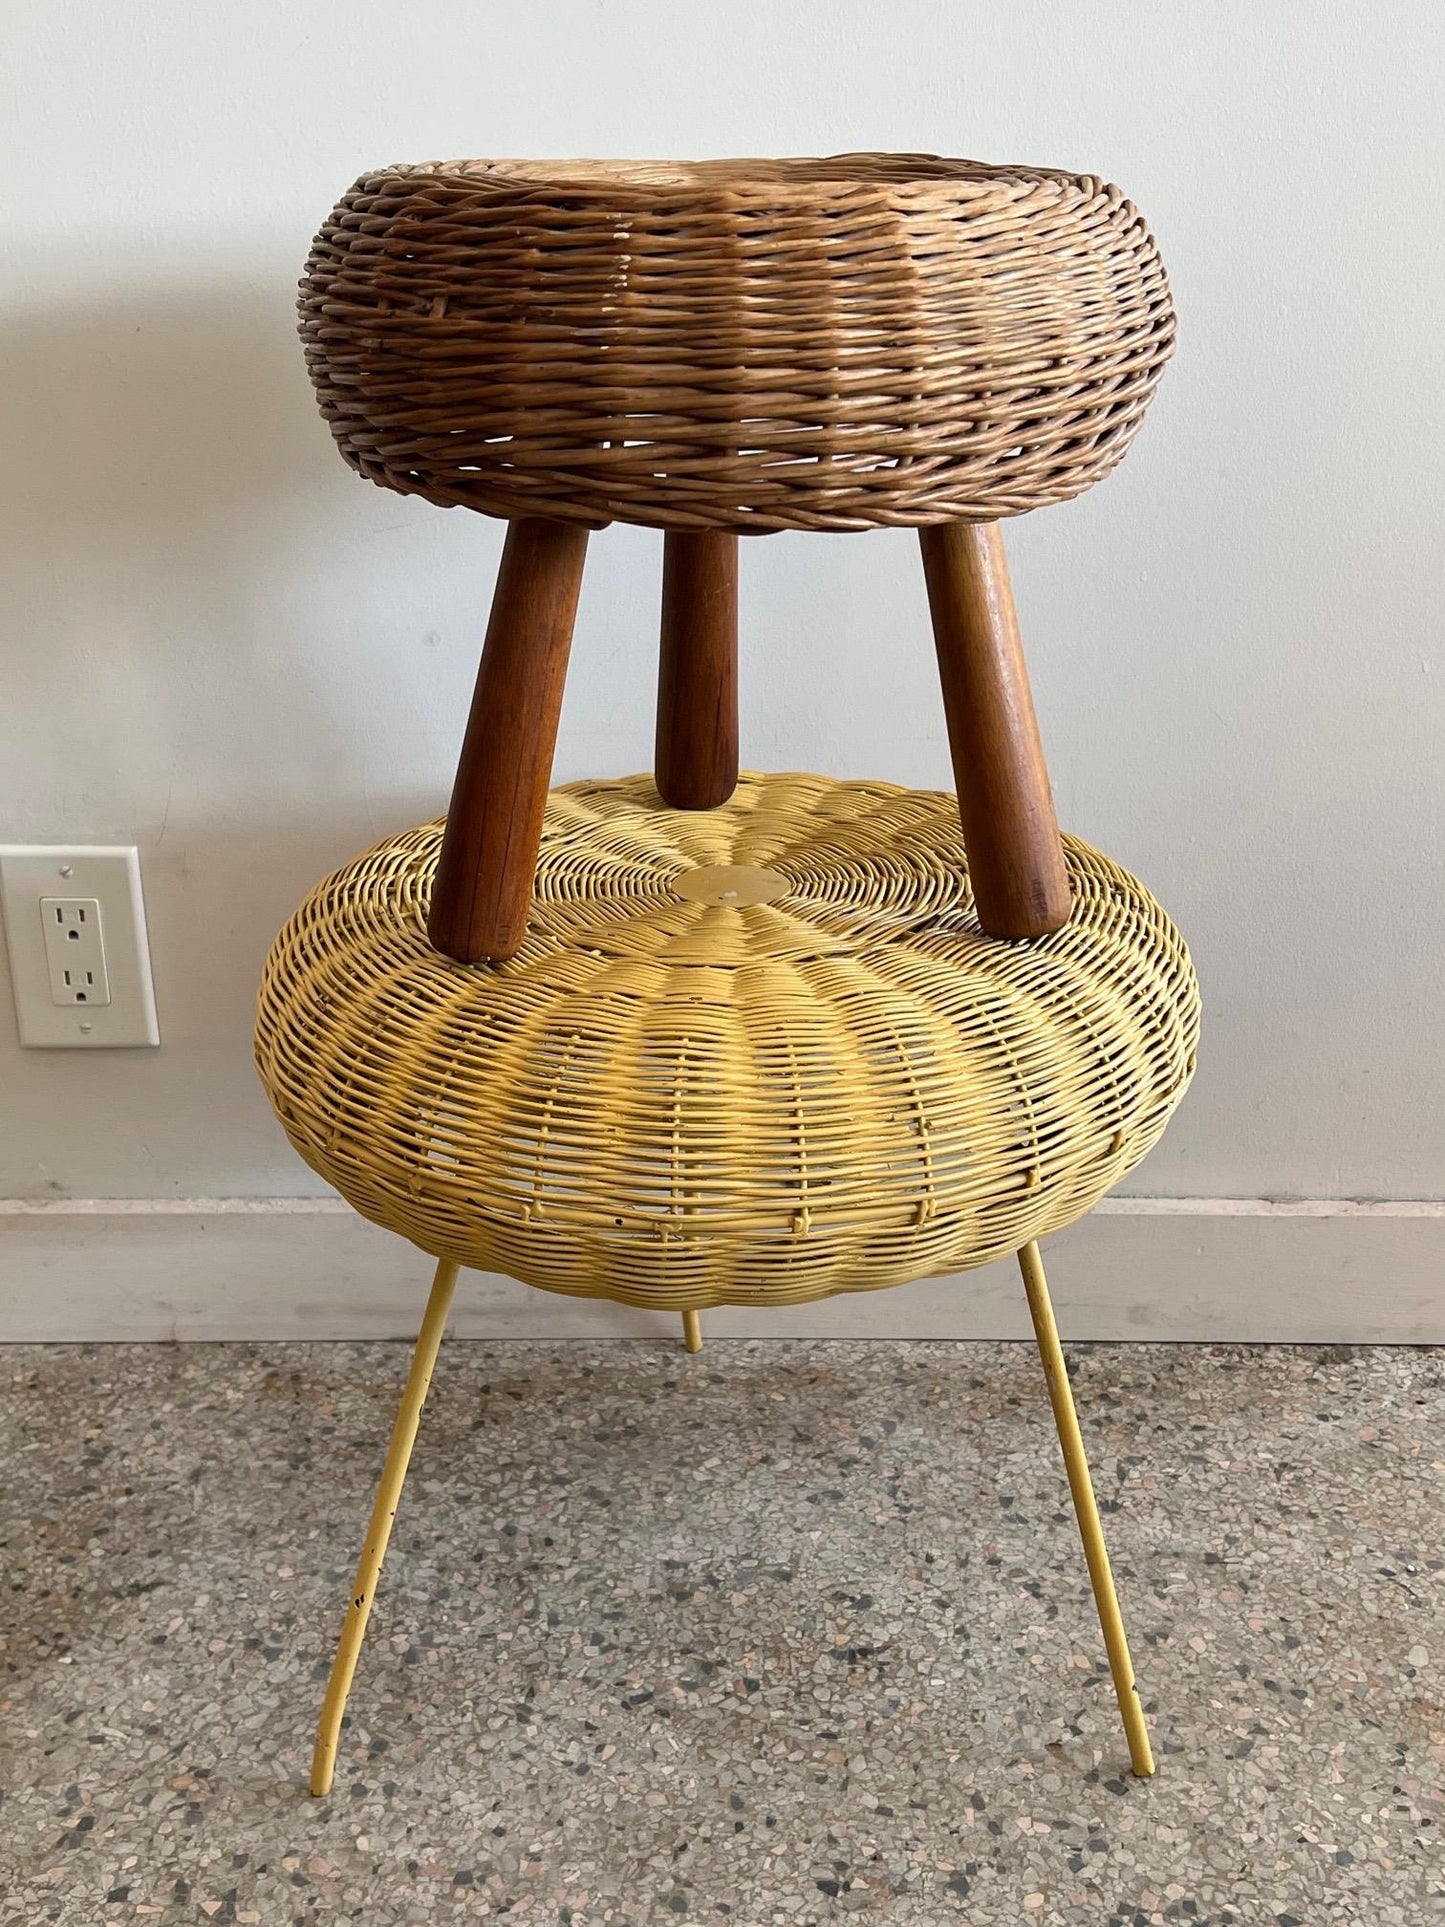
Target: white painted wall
[(220, 645)]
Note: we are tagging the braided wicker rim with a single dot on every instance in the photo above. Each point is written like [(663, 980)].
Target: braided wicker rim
[(865, 340), (678, 1103)]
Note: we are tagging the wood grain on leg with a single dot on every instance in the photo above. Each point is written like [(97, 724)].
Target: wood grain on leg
[(488, 862), (697, 691), (1010, 833)]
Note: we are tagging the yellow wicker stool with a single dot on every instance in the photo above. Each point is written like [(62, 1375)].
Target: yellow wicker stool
[(697, 1039), (750, 1055)]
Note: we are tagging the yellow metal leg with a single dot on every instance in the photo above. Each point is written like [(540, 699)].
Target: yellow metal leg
[(388, 1497), (692, 1330), (1090, 1531)]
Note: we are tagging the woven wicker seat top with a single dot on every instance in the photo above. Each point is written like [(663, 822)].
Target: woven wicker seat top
[(865, 340)]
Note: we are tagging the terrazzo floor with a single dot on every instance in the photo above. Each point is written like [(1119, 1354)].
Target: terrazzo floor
[(782, 1633)]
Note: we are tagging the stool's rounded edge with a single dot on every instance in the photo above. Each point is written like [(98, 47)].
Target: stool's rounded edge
[(382, 1114), (377, 314)]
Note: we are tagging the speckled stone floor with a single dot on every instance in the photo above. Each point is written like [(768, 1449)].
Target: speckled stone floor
[(783, 1633)]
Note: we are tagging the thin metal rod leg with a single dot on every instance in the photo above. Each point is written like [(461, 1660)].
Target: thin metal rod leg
[(388, 1497), (692, 1330), (1066, 1419)]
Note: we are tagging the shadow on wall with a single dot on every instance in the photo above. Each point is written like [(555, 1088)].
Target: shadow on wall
[(197, 597), (152, 437), (176, 523), (157, 409)]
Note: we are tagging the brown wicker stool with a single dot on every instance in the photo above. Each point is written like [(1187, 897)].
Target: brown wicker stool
[(697, 1039)]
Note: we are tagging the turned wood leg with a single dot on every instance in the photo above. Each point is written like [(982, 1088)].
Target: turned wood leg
[(697, 689), (1015, 860), (488, 862)]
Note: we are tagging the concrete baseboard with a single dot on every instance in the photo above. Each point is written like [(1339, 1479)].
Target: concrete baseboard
[(1181, 1270)]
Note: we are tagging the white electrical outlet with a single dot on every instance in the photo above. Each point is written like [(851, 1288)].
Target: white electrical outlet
[(75, 931), (75, 950)]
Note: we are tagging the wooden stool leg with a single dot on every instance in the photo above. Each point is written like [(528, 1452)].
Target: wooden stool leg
[(1015, 861), (697, 690), (383, 1513), (1096, 1553), (488, 862)]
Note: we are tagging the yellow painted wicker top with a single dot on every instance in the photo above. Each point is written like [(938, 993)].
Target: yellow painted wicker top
[(679, 1100)]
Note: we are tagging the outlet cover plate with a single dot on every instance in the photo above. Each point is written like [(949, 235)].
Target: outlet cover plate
[(109, 875)]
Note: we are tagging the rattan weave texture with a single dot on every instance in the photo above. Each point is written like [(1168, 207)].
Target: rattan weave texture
[(808, 344), (678, 1103)]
